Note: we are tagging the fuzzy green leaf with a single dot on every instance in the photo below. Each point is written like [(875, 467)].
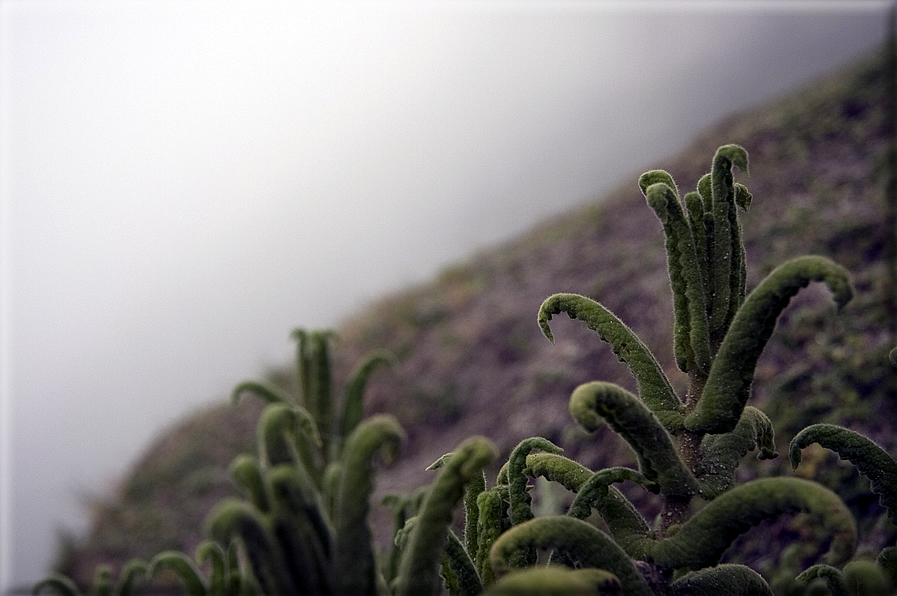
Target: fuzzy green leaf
[(871, 461), (239, 582), (518, 492), (472, 492), (300, 528), (517, 480), (556, 581), (706, 193), (729, 382), (738, 267), (314, 370), (492, 521), (319, 401), (694, 208), (209, 551), (354, 563), (724, 260), (658, 177), (581, 542), (557, 468), (419, 566), (597, 487), (132, 576), (728, 579), (269, 392), (246, 471), (458, 564), (627, 415), (282, 431), (653, 386), (627, 526), (832, 576), (353, 408), (866, 578), (403, 508), (57, 582), (232, 518), (690, 327), (184, 567), (703, 538)]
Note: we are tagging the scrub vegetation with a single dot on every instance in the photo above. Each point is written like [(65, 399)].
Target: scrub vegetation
[(653, 493)]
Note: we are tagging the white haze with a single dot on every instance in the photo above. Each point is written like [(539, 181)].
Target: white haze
[(185, 182)]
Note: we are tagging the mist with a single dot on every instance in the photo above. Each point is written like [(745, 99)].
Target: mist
[(185, 183)]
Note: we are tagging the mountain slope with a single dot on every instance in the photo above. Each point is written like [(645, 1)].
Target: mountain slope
[(471, 359)]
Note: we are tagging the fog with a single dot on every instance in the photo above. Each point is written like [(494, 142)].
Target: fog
[(183, 183)]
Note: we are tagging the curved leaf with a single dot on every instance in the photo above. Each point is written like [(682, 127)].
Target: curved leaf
[(403, 508), (871, 461), (353, 408), (658, 177), (209, 551), (472, 492), (557, 468), (581, 542), (729, 381), (597, 487), (58, 583), (517, 492), (556, 581), (867, 578), (859, 577), (628, 416), (706, 193), (269, 392), (703, 538), (300, 529), (132, 576), (492, 521), (726, 245), (653, 386), (458, 565), (354, 564), (627, 526), (102, 581), (233, 518), (690, 329), (832, 575), (247, 472), (278, 435), (419, 566), (728, 579), (184, 567)]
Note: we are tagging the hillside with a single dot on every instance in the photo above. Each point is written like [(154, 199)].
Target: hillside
[(471, 359)]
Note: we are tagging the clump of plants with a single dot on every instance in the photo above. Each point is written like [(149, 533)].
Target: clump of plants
[(302, 527)]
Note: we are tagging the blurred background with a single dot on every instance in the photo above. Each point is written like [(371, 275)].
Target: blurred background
[(184, 183)]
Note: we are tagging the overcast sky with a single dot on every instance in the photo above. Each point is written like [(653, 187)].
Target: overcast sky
[(185, 182)]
